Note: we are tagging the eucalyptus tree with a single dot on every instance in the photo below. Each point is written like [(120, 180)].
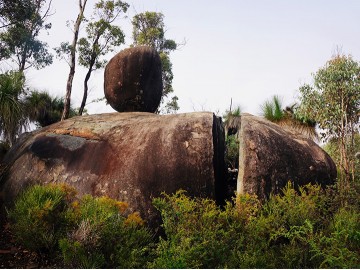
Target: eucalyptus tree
[(67, 51), (22, 22), (149, 29), (102, 36), (334, 102)]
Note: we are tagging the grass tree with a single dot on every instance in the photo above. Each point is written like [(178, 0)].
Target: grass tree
[(232, 120), (44, 109), (273, 110), (289, 117), (12, 114)]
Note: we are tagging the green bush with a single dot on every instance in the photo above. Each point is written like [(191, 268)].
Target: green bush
[(295, 229), (339, 247), (198, 233), (88, 232), (291, 230), (39, 216), (104, 237)]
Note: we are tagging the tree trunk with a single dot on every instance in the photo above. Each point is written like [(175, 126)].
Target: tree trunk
[(83, 102), (94, 55), (72, 60)]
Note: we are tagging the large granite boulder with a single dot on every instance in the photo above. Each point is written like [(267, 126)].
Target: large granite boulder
[(135, 156), (131, 157), (133, 80), (270, 156)]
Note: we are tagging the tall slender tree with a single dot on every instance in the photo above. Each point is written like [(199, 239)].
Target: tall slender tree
[(102, 37), (68, 52)]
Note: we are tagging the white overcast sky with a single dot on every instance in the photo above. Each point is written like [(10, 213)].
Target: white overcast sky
[(244, 50)]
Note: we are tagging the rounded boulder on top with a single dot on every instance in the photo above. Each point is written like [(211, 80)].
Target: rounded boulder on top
[(133, 80)]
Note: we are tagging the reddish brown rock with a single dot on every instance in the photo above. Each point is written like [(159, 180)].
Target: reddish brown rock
[(133, 80), (131, 157), (269, 157)]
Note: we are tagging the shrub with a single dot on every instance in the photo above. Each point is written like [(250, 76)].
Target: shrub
[(282, 233), (104, 237), (339, 247), (292, 230), (39, 216), (198, 233), (89, 232), (289, 222)]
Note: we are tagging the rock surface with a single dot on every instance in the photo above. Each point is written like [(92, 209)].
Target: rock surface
[(133, 80), (131, 157), (269, 157)]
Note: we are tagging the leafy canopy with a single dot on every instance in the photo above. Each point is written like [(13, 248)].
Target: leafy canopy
[(334, 99), (22, 23), (149, 30)]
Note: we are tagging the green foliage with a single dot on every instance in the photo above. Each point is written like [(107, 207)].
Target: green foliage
[(172, 106), (289, 221), (293, 230), (290, 117), (39, 216), (334, 103), (104, 237), (89, 232), (332, 148), (12, 113), (272, 109), (102, 36), (198, 232), (232, 151), (334, 96), (22, 26), (13, 11), (149, 29), (231, 118), (45, 109), (340, 247)]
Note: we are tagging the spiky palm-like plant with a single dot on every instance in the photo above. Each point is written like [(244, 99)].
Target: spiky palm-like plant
[(272, 110), (12, 114), (289, 117), (45, 109), (232, 120)]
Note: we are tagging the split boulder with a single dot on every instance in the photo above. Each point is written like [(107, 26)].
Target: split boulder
[(131, 157), (271, 156)]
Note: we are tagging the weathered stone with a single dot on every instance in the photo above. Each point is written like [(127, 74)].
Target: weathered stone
[(270, 156), (133, 80), (131, 157)]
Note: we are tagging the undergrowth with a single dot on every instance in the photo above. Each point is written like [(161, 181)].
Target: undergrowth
[(295, 229)]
